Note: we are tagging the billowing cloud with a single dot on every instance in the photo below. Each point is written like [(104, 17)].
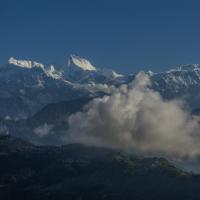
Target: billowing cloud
[(43, 130), (136, 117)]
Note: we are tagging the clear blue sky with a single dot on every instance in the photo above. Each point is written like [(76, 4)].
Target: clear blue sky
[(126, 35)]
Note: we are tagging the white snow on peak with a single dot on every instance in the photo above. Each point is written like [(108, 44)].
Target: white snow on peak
[(49, 70), (189, 67), (150, 73), (53, 73), (24, 63), (81, 63), (116, 75)]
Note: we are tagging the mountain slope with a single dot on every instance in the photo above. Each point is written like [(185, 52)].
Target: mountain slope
[(81, 172), (26, 90), (82, 71), (27, 86), (180, 82)]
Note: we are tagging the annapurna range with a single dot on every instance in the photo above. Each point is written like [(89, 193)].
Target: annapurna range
[(27, 86)]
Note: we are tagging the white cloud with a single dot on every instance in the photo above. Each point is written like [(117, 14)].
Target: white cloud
[(43, 130), (136, 117)]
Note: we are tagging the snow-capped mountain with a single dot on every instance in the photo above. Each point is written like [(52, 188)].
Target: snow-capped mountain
[(80, 63), (24, 63), (77, 68), (27, 86), (49, 70), (179, 82), (82, 71), (47, 94)]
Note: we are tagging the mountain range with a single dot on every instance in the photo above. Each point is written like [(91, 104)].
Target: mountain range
[(35, 97), (36, 163), (28, 86)]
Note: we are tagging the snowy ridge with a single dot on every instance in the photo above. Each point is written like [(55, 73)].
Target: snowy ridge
[(189, 67), (184, 75), (21, 79), (116, 75), (24, 63), (86, 65), (81, 63), (50, 71)]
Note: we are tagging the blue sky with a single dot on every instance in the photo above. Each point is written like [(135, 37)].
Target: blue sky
[(126, 35)]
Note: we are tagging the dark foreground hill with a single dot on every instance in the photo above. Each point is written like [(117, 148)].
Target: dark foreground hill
[(78, 172)]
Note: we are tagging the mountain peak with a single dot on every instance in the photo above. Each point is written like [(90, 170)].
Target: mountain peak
[(81, 63), (24, 63), (188, 67)]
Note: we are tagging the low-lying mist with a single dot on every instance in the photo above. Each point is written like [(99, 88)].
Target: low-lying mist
[(135, 117)]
